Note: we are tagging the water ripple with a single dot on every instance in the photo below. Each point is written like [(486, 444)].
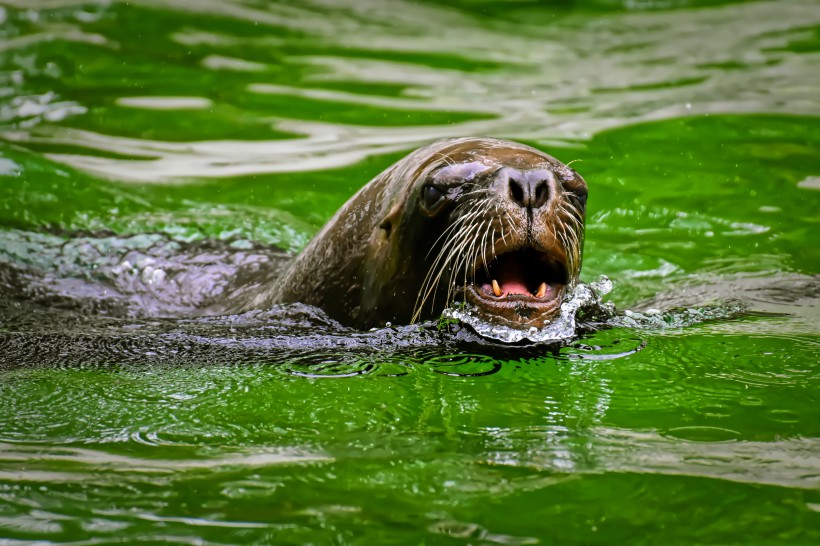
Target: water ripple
[(615, 79), (708, 453), (464, 365), (326, 365)]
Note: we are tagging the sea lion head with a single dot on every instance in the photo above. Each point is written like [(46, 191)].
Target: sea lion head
[(494, 223)]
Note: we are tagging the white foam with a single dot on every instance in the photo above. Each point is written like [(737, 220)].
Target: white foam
[(561, 328)]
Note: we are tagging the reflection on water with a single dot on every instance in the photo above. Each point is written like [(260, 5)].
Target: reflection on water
[(705, 454), (551, 82)]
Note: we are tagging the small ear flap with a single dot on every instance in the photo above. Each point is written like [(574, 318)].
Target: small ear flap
[(391, 219)]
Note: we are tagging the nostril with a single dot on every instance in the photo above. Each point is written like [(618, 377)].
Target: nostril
[(541, 193), (529, 192), (517, 192)]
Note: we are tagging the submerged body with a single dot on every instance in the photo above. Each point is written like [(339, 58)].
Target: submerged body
[(494, 223)]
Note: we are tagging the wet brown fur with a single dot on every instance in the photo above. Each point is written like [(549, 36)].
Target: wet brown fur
[(379, 259)]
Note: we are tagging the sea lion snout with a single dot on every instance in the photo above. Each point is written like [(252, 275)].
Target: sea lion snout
[(529, 189)]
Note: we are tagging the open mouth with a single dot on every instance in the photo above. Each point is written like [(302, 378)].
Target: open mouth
[(519, 288), (522, 274)]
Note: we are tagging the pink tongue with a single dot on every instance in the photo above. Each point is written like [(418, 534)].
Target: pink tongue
[(513, 287), (511, 280)]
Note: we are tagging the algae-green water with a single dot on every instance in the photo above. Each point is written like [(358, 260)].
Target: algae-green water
[(154, 124)]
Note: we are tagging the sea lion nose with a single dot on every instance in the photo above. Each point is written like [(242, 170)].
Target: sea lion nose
[(528, 189)]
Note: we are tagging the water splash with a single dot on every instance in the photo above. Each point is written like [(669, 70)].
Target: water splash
[(655, 319), (584, 297), (584, 310)]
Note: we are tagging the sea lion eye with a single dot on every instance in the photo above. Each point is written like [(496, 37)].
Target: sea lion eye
[(432, 197)]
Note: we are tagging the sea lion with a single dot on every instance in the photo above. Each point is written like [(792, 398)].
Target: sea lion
[(494, 223)]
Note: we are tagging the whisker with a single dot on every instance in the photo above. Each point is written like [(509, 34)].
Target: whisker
[(449, 252)]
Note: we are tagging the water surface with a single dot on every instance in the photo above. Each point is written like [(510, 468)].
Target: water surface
[(138, 131)]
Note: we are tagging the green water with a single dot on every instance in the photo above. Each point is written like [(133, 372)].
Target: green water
[(697, 127)]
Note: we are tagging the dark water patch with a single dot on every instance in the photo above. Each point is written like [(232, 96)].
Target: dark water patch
[(294, 335)]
